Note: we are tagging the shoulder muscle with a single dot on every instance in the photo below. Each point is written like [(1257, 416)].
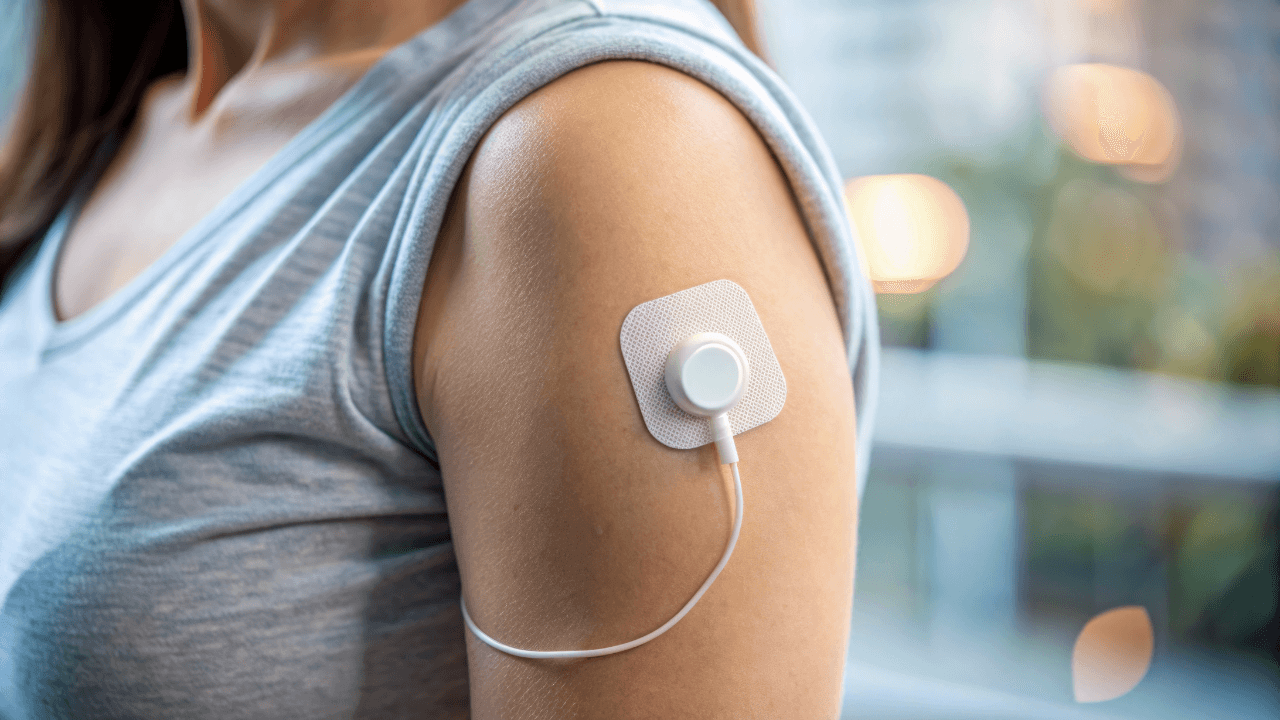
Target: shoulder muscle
[(617, 184)]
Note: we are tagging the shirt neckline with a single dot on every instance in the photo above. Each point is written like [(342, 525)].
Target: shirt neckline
[(457, 27)]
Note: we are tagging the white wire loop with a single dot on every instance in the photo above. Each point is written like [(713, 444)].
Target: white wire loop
[(567, 654)]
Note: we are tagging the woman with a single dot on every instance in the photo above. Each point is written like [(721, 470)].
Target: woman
[(283, 277)]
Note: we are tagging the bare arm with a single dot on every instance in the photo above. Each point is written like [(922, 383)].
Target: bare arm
[(617, 184)]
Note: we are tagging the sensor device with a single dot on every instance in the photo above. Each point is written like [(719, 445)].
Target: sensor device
[(653, 329), (706, 375), (700, 365)]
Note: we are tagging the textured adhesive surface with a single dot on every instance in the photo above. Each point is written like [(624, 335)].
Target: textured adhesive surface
[(652, 329)]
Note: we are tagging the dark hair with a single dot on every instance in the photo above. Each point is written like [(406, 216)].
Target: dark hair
[(92, 62)]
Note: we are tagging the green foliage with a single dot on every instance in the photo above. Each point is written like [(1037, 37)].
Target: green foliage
[(1112, 282)]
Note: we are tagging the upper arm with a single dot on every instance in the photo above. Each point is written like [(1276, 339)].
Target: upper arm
[(574, 528)]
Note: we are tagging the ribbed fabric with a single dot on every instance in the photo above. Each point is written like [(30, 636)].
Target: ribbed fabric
[(217, 496)]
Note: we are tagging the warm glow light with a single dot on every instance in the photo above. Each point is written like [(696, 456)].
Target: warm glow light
[(913, 229), (1116, 116), (1112, 654)]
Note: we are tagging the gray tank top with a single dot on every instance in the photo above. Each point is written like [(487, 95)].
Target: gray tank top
[(217, 496)]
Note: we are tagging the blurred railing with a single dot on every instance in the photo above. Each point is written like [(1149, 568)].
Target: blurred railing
[(961, 610), (1080, 414)]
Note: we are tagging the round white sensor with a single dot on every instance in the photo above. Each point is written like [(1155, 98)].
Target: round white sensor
[(707, 374)]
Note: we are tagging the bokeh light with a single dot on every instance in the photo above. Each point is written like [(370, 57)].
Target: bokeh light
[(1106, 239), (1116, 116), (913, 229), (1112, 654)]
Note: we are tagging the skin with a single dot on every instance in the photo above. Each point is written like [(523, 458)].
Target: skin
[(261, 71), (616, 184)]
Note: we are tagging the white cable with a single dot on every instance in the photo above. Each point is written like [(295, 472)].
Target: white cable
[(563, 654)]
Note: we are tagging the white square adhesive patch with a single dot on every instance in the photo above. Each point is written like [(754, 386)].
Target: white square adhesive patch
[(652, 329)]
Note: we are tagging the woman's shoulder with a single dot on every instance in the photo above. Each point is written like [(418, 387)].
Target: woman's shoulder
[(621, 178), (614, 121), (617, 154), (610, 185)]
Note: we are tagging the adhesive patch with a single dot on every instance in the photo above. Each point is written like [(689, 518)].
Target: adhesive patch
[(652, 329)]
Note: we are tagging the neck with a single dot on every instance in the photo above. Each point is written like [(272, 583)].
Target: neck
[(237, 38)]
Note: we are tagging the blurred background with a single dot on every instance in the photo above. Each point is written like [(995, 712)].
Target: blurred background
[(1085, 414)]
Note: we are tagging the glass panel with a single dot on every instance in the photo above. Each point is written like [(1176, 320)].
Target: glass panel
[(1085, 415)]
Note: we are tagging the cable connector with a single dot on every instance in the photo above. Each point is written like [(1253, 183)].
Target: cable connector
[(722, 432)]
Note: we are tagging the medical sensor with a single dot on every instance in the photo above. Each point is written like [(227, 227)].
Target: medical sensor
[(700, 365), (652, 329), (706, 375)]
